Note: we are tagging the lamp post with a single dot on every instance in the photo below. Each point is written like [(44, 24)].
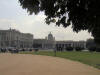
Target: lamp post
[(55, 52)]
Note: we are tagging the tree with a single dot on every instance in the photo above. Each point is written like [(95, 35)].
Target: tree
[(90, 44), (81, 14)]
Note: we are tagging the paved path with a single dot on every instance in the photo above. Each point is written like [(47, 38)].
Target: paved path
[(21, 64)]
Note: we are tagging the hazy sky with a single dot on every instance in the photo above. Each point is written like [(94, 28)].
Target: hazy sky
[(12, 15)]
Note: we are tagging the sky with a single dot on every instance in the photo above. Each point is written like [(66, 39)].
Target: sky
[(13, 16)]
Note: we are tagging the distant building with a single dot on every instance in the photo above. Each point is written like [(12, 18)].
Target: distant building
[(47, 43), (50, 43), (62, 45), (14, 38)]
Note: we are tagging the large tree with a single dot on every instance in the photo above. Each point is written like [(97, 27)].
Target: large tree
[(81, 14)]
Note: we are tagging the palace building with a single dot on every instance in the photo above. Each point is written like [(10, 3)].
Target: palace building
[(16, 39), (49, 42)]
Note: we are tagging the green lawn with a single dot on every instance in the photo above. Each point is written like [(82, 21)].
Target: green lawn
[(90, 58)]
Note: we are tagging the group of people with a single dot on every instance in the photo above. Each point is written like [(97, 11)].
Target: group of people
[(14, 50)]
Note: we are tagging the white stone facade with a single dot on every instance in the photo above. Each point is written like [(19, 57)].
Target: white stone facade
[(50, 43), (14, 38), (47, 43), (64, 44)]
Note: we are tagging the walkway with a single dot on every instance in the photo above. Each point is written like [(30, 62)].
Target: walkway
[(21, 64)]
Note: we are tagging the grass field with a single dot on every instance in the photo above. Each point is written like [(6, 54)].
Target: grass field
[(90, 58)]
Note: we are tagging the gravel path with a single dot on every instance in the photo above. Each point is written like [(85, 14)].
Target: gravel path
[(25, 64)]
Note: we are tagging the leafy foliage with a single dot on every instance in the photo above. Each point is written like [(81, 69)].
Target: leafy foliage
[(90, 44), (81, 14)]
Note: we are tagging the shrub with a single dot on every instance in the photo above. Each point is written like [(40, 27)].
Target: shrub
[(79, 48), (36, 49), (69, 48), (97, 49), (92, 49)]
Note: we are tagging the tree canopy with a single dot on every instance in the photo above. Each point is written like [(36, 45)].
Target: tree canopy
[(81, 14)]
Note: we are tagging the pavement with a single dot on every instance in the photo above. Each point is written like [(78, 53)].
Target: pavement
[(27, 64)]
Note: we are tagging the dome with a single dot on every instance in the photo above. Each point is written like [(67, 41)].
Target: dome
[(50, 36)]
